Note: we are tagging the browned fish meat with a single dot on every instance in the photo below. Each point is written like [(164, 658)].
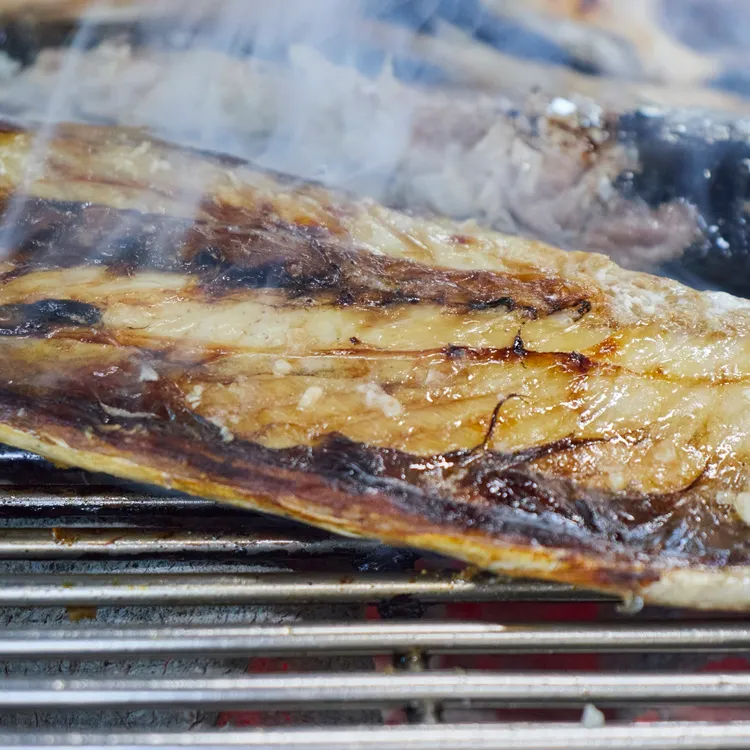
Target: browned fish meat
[(188, 321)]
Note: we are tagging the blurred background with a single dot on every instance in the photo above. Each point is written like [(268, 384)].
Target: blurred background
[(614, 126), (601, 125)]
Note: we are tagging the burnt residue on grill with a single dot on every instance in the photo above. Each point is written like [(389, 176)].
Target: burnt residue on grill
[(258, 251), (707, 167)]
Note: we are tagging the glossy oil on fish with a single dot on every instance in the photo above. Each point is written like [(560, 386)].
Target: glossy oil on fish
[(188, 321)]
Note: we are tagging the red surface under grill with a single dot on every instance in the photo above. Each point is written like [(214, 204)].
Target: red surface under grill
[(519, 613)]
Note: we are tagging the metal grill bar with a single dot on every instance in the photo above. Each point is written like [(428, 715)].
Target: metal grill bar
[(305, 691), (99, 522), (197, 589), (376, 638), (658, 736), (85, 498), (57, 543)]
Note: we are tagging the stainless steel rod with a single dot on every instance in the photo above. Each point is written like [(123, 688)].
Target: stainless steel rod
[(354, 689), (98, 590), (58, 499), (60, 543), (368, 638), (658, 736)]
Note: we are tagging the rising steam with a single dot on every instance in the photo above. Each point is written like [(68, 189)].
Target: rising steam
[(336, 91), (280, 83)]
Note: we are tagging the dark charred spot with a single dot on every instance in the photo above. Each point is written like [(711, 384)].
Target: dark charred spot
[(340, 457), (129, 253), (506, 302), (239, 248), (62, 234), (266, 276), (400, 297), (569, 360), (401, 607), (579, 363), (208, 258), (43, 317), (455, 352), (583, 308), (354, 340), (222, 275)]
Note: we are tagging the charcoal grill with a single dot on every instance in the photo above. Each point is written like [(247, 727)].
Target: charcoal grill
[(144, 620)]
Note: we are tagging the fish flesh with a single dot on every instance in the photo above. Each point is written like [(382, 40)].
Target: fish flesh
[(186, 320)]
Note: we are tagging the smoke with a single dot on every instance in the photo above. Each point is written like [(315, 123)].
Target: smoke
[(325, 90), (296, 86)]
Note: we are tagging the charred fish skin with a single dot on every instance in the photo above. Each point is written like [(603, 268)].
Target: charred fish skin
[(40, 318), (294, 350)]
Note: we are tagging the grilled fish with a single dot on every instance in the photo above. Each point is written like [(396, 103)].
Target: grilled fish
[(186, 320)]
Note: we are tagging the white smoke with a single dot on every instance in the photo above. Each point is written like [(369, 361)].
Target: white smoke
[(287, 105)]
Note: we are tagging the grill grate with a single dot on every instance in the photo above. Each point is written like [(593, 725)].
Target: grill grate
[(150, 621)]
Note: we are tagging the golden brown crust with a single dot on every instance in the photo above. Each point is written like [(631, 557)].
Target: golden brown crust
[(315, 356)]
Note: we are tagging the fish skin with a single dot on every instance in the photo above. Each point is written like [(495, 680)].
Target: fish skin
[(172, 317)]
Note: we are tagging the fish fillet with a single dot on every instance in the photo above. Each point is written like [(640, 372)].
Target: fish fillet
[(188, 321)]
